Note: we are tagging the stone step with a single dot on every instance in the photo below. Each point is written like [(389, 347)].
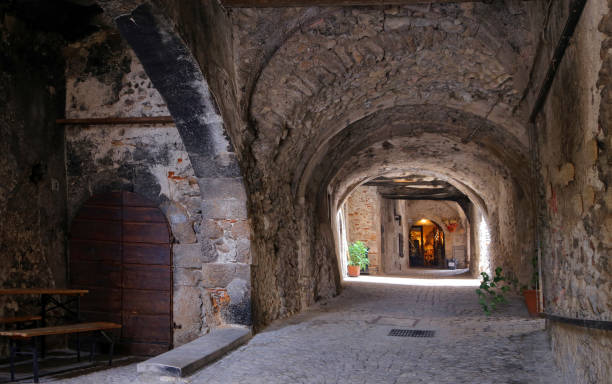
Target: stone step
[(190, 357)]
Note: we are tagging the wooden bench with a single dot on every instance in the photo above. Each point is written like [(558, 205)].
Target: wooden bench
[(35, 333), (20, 319)]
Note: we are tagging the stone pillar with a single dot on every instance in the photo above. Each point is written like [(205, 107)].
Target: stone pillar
[(224, 256)]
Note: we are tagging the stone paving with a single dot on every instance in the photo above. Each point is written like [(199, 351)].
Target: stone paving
[(345, 340)]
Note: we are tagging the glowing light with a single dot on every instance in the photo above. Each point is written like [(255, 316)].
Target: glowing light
[(432, 282), (484, 241), (424, 221), (343, 241)]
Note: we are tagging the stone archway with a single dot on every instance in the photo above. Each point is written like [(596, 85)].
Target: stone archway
[(225, 229)]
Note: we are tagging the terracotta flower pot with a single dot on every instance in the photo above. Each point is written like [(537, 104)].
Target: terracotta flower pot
[(353, 270), (531, 300)]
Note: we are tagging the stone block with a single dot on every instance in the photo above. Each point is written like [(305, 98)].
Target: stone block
[(222, 188), (238, 290), (187, 276), (392, 23), (184, 233), (187, 313), (204, 165), (243, 251), (224, 209), (566, 174), (180, 224), (187, 255), (219, 275), (240, 230), (209, 252), (239, 309), (211, 229)]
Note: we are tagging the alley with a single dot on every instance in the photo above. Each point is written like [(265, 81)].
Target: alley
[(345, 340)]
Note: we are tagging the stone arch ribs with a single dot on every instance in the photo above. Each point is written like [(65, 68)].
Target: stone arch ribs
[(350, 64), (225, 228)]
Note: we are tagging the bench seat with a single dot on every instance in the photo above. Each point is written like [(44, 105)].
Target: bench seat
[(34, 334), (19, 319), (59, 330)]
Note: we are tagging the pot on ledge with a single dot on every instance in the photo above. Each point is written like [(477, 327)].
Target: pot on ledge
[(353, 270), (531, 300)]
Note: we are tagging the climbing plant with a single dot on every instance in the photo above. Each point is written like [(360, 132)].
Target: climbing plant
[(491, 293)]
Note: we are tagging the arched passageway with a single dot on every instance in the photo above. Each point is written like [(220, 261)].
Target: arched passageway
[(340, 97), (456, 112), (353, 95)]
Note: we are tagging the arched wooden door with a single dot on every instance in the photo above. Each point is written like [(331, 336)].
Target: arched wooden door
[(120, 250)]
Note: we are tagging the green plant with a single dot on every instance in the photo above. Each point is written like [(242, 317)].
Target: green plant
[(491, 292), (358, 255)]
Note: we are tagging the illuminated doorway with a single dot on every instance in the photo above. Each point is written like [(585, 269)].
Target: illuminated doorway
[(426, 245)]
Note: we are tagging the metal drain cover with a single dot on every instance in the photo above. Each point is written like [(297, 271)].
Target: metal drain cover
[(411, 333)]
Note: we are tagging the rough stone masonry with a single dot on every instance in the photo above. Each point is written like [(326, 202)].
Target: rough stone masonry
[(280, 113)]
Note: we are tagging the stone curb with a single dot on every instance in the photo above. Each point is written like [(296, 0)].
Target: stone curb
[(188, 358)]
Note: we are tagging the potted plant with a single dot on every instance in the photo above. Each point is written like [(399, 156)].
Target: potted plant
[(532, 295), (358, 258)]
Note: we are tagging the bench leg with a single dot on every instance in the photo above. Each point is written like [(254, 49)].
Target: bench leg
[(44, 299), (111, 341), (78, 347), (35, 358), (110, 352), (92, 352), (12, 350)]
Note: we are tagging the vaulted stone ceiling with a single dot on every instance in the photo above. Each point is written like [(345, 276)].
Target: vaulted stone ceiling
[(457, 70)]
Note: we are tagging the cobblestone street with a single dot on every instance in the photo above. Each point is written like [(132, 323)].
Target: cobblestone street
[(345, 340)]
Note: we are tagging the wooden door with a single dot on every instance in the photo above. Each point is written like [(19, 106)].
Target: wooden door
[(416, 246), (120, 250)]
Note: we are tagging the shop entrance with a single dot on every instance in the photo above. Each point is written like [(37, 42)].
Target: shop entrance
[(426, 245)]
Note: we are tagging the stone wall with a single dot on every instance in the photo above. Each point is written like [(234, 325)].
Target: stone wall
[(391, 261), (573, 140), (479, 262), (32, 186), (106, 79), (363, 210)]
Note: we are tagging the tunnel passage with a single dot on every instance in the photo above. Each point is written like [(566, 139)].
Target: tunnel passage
[(489, 182), (395, 217), (337, 97), (506, 101)]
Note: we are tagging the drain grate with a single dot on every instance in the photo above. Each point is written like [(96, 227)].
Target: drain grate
[(411, 333)]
